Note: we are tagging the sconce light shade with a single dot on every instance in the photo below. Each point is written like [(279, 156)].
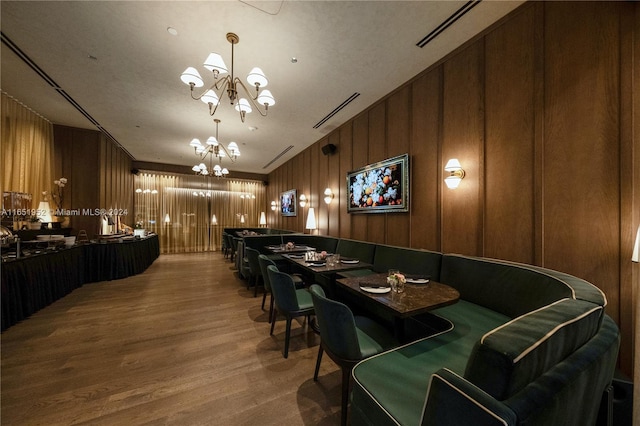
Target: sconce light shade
[(44, 212), (263, 219), (167, 219), (311, 219), (303, 200), (456, 173), (274, 205), (214, 220), (328, 196), (636, 248), (241, 218)]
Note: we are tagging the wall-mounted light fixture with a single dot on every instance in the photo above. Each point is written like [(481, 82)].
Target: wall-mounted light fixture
[(214, 220), (328, 196), (303, 200), (274, 205), (456, 173), (636, 248), (263, 219), (311, 219), (167, 219)]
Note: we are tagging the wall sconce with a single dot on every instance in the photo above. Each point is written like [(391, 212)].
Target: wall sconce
[(454, 167), (328, 196), (303, 200), (167, 219), (214, 220), (274, 205), (636, 248), (263, 219), (311, 219), (241, 218)]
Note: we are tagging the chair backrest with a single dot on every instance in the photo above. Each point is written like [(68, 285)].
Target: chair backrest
[(254, 265), (264, 261), (337, 325), (283, 289)]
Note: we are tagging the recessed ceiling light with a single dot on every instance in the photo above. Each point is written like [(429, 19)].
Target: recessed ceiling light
[(172, 31), (294, 60), (253, 128)]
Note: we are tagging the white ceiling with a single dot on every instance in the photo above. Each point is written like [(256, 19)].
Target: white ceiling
[(119, 63)]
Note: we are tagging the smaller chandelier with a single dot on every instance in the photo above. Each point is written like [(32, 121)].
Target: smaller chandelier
[(230, 84), (214, 149)]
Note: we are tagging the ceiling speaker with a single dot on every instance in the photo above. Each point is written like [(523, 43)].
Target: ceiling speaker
[(328, 149)]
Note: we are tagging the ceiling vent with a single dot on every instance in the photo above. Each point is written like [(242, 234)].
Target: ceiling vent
[(448, 22), (287, 149), (337, 110)]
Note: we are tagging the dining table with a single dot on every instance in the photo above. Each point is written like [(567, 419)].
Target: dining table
[(322, 269), (420, 296)]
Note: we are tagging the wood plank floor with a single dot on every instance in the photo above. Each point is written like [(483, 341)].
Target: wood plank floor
[(184, 343)]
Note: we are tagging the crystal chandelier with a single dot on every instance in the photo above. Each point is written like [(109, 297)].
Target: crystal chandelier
[(230, 84), (213, 149)]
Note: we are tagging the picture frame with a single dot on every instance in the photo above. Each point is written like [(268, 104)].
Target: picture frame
[(382, 187), (289, 203)]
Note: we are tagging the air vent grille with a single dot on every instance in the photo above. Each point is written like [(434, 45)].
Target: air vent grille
[(287, 149), (448, 22), (336, 110)]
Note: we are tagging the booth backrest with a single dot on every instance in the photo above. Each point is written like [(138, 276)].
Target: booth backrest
[(508, 288), (409, 261), (515, 354), (361, 250)]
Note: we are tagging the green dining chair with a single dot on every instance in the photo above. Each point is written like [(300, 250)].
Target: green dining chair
[(255, 274), (289, 301), (265, 261), (346, 338)]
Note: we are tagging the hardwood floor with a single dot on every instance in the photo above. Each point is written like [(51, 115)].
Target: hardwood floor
[(184, 343)]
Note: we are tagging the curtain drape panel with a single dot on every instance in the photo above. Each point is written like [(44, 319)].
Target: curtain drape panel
[(180, 209), (26, 148)]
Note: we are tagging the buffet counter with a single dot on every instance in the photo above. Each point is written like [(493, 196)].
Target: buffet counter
[(31, 283)]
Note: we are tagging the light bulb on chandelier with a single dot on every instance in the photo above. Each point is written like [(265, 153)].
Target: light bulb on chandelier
[(230, 84)]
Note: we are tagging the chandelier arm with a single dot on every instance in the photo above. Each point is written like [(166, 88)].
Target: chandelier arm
[(252, 99), (214, 87), (204, 155)]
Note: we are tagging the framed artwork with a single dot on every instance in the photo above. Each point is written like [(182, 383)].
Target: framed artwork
[(382, 187), (288, 203)]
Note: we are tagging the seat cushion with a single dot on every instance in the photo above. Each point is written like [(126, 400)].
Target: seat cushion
[(392, 387), (304, 299), (372, 337)]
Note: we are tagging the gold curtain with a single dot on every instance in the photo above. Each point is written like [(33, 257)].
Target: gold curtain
[(180, 209), (26, 148)]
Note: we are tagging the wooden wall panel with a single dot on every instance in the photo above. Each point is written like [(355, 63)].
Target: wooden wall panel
[(376, 223), (314, 183), (322, 211), (581, 143), (462, 139), (426, 175), (360, 159), (333, 183), (398, 128), (509, 144), (344, 154)]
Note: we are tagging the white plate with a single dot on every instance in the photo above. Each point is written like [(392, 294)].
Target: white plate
[(317, 264), (377, 290), (350, 261), (417, 280)]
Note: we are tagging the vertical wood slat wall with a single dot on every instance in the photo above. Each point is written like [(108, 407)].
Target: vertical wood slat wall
[(99, 175), (539, 110)]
